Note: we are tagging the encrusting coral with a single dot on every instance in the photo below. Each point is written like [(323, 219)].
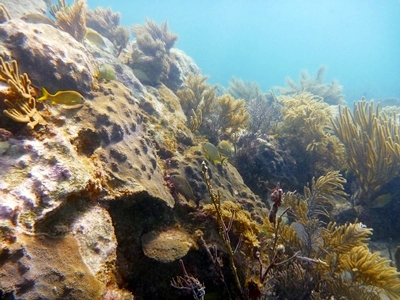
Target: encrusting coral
[(21, 103), (372, 143), (330, 92), (73, 19)]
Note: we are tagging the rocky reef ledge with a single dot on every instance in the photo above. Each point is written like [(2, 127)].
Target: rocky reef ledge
[(86, 211)]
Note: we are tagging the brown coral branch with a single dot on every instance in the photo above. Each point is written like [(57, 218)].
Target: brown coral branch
[(73, 20), (23, 109)]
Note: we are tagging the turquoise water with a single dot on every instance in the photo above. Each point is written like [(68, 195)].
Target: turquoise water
[(265, 41)]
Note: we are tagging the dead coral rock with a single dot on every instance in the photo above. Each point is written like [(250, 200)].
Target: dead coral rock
[(52, 58), (38, 176), (167, 246), (17, 8), (111, 130), (43, 267), (224, 178), (94, 232), (185, 64)]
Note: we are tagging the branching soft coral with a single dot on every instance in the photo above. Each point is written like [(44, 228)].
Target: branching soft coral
[(198, 96), (157, 33), (73, 19), (330, 92), (230, 116), (306, 130), (106, 22), (334, 260), (372, 142), (245, 90), (151, 56), (21, 103)]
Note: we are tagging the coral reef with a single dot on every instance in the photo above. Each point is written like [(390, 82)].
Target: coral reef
[(38, 268), (127, 196), (330, 92), (21, 102), (372, 143)]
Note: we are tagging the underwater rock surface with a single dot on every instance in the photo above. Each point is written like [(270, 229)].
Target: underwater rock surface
[(44, 267), (17, 8), (51, 57)]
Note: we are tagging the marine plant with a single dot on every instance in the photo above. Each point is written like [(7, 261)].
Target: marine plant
[(306, 131), (245, 90), (372, 143), (21, 103), (72, 19), (330, 92), (107, 23)]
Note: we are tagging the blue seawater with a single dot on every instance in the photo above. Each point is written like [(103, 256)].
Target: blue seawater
[(267, 40)]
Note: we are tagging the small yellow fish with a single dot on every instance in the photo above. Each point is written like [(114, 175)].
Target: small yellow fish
[(211, 153), (38, 19), (106, 72), (95, 37), (225, 148), (62, 97)]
